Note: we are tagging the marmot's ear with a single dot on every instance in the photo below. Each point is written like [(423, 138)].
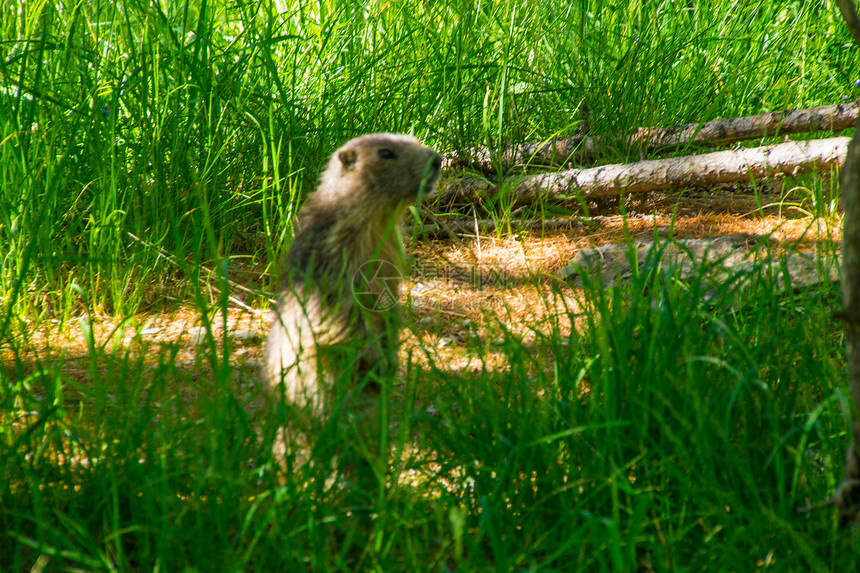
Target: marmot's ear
[(347, 157)]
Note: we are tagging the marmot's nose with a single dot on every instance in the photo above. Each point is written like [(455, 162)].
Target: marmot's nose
[(437, 162)]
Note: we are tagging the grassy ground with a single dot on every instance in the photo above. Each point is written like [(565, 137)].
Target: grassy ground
[(151, 158)]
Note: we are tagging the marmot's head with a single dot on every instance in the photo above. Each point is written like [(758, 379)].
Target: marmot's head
[(382, 169)]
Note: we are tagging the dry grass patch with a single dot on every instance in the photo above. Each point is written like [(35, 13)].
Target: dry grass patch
[(462, 299)]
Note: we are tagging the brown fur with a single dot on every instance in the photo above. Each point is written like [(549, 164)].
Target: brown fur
[(332, 322)]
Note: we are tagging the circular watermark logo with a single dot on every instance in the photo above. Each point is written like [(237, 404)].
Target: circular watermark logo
[(375, 285)]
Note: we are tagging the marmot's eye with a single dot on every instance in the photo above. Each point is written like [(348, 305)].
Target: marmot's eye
[(386, 153)]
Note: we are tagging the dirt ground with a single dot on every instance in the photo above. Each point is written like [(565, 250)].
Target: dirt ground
[(459, 285)]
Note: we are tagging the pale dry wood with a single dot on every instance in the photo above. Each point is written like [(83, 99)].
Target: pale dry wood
[(447, 227), (471, 227), (654, 139), (693, 171)]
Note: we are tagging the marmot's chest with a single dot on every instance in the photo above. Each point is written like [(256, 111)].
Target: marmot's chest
[(368, 240)]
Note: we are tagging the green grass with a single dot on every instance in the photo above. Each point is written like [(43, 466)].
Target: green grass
[(128, 127), (668, 434), (150, 152)]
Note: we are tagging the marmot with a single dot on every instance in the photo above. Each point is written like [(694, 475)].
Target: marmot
[(336, 318)]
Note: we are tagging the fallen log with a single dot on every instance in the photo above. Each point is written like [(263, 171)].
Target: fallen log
[(655, 140), (462, 226), (708, 170), (475, 228)]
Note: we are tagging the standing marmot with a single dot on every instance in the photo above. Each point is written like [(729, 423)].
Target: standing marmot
[(336, 317)]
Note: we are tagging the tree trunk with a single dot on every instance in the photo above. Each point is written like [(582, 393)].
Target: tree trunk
[(848, 495), (849, 14), (655, 139), (706, 170)]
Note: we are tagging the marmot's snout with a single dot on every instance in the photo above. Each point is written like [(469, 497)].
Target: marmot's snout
[(431, 177), (435, 167), (436, 164)]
